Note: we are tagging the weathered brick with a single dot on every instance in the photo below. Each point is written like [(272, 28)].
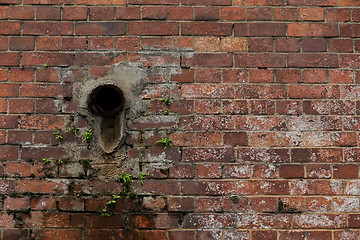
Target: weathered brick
[(102, 28), (153, 28)]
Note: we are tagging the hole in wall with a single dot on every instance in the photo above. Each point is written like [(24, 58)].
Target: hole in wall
[(108, 100)]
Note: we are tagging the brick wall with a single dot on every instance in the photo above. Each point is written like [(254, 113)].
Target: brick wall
[(263, 119)]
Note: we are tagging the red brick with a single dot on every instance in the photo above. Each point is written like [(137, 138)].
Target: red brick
[(43, 203), (314, 76), (312, 3), (100, 43), (21, 105), (337, 14), (262, 155), (260, 29), (21, 43), (48, 13), (48, 43), (153, 28), (319, 221), (254, 187), (235, 138), (235, 76), (318, 171), (48, 1), (22, 75), (154, 13), (44, 90), (101, 13), (208, 204), (182, 171), (259, 14), (208, 75), (50, 59), (16, 203), (4, 43), (74, 13), (15, 169), (285, 14), (311, 14), (316, 187), (288, 107), (269, 221), (103, 28), (232, 13), (287, 76), (9, 59), (261, 60), (207, 2), (48, 28), (4, 12), (208, 155), (261, 92), (128, 13), (349, 171), (22, 12), (173, 235), (314, 60), (100, 2), (341, 45), (47, 75), (260, 45), (312, 30), (349, 235), (206, 28), (3, 107), (155, 2), (236, 204), (208, 60), (73, 43), (180, 13), (15, 234), (71, 204), (291, 171), (264, 204), (261, 76), (9, 90), (206, 13), (317, 155), (351, 3), (314, 45), (41, 122), (236, 171), (64, 234), (209, 171), (264, 235)]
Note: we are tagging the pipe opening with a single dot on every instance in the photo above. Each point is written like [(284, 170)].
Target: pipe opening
[(108, 99)]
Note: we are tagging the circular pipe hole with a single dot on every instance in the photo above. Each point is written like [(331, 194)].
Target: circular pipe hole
[(107, 99)]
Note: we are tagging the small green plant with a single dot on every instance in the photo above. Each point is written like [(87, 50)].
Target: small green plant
[(45, 65), (166, 141), (46, 161), (59, 162), (87, 136), (166, 112), (73, 129), (126, 177), (141, 178), (59, 136), (86, 163), (166, 101)]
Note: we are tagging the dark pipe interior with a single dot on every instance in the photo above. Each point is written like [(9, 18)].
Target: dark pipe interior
[(107, 99)]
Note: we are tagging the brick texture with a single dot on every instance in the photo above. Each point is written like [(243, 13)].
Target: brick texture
[(262, 112)]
